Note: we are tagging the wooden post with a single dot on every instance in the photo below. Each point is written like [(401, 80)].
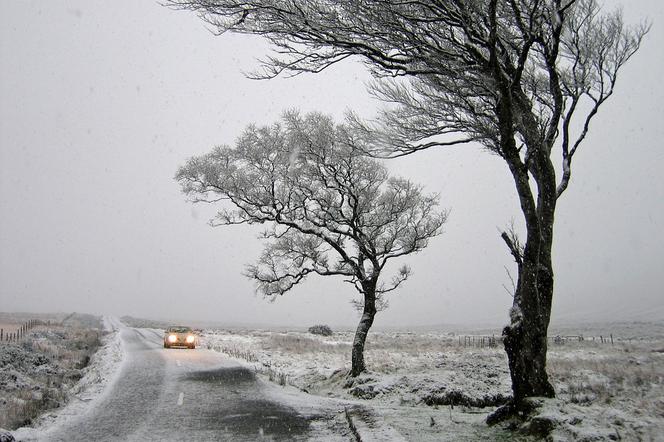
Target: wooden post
[(611, 338)]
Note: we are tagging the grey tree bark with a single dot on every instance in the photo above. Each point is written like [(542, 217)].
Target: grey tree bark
[(366, 321)]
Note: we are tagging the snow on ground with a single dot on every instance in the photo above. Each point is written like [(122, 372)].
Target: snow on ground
[(407, 371), (405, 368), (428, 387), (86, 393)]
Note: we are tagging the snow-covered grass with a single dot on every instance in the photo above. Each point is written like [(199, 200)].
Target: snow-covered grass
[(79, 397), (620, 386), (604, 391), (37, 372), (405, 368)]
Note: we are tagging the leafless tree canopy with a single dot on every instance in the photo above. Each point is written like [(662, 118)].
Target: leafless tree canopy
[(558, 58), (331, 210)]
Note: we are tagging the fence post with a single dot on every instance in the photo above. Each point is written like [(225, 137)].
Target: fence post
[(611, 338), (2, 332)]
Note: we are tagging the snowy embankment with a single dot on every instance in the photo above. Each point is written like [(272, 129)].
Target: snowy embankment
[(605, 392), (101, 371)]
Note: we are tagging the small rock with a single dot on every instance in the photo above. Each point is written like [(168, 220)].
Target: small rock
[(576, 420), (539, 426)]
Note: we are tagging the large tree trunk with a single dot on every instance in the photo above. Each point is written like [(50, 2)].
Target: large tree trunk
[(525, 339), (368, 314)]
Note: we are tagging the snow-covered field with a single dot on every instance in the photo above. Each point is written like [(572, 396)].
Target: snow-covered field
[(81, 386), (426, 384)]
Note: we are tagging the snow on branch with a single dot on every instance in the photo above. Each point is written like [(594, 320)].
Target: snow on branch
[(330, 210)]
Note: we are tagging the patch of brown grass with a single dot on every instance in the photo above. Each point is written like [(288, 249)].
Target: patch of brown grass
[(299, 344)]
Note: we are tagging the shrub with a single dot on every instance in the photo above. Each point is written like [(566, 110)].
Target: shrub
[(323, 330)]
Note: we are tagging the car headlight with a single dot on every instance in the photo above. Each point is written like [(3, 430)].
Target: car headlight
[(172, 338), (190, 339)]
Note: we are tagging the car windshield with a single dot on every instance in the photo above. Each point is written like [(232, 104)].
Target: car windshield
[(179, 330)]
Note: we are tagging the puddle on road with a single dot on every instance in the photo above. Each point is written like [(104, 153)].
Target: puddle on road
[(246, 418), (236, 411), (227, 375)]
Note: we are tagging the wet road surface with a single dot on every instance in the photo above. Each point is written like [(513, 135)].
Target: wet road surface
[(195, 395)]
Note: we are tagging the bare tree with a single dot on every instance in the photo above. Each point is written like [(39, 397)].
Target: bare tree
[(331, 210), (523, 78)]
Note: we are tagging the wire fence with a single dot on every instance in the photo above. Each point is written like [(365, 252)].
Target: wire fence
[(19, 333), (491, 341)]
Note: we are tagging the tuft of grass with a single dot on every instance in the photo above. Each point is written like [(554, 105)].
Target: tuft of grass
[(321, 329), (277, 376), (238, 353)]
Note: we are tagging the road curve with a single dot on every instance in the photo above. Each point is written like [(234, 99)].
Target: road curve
[(196, 395)]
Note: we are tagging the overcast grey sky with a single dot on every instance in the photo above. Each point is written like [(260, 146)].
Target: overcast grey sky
[(100, 102)]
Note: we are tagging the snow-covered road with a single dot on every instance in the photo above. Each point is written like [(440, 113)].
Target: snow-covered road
[(180, 394)]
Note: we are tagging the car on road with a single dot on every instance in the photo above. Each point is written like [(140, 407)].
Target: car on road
[(179, 336)]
